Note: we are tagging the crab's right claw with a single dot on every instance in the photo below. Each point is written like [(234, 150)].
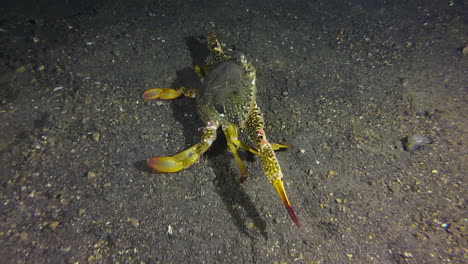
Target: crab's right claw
[(161, 93)]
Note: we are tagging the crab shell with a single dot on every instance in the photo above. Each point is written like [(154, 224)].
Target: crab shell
[(228, 92)]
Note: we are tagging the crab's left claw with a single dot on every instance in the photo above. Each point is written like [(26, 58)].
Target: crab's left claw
[(177, 162), (186, 158), (168, 93), (165, 164), (278, 184), (161, 93)]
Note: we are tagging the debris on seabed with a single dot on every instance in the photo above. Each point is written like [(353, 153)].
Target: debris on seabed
[(415, 142)]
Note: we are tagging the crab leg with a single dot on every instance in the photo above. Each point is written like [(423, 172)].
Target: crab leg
[(187, 157), (168, 93), (234, 143), (277, 146), (255, 125)]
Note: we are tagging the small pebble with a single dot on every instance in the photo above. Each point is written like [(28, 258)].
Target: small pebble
[(24, 236), (21, 69), (135, 222), (96, 136), (404, 81), (92, 175), (407, 255), (54, 225), (465, 50)]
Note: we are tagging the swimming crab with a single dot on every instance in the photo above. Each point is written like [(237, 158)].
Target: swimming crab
[(226, 100)]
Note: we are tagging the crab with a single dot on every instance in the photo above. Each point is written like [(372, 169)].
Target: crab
[(227, 99)]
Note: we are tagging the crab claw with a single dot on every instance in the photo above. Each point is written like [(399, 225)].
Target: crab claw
[(165, 164), (177, 162), (278, 184), (162, 93)]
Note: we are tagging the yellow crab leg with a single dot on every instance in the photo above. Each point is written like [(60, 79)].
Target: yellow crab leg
[(231, 135), (168, 93), (233, 143), (273, 172), (277, 146), (254, 125), (187, 157)]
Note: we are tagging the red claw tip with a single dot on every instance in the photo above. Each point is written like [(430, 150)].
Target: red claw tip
[(242, 179), (293, 216)]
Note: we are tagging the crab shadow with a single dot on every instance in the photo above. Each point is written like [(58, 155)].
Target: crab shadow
[(228, 187), (238, 203)]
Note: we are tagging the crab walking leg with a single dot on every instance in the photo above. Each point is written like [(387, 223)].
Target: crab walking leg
[(233, 143), (187, 157), (277, 146), (168, 93), (254, 125)]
